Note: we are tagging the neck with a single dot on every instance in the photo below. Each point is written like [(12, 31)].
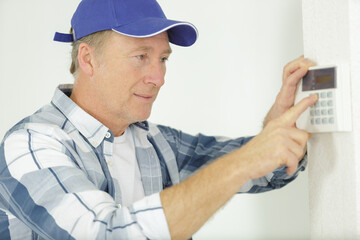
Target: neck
[(86, 100)]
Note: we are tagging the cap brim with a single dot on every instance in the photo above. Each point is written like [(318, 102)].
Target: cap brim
[(180, 33)]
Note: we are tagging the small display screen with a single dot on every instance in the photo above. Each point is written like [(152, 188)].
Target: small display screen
[(323, 79), (317, 79)]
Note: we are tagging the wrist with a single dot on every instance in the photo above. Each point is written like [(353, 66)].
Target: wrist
[(239, 171)]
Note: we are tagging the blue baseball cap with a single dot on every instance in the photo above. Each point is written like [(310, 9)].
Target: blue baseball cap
[(133, 18)]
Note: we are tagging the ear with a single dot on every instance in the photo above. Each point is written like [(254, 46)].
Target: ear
[(86, 58)]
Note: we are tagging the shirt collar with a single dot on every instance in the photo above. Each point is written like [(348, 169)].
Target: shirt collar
[(86, 124)]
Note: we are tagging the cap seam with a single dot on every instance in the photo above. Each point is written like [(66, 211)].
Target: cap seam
[(160, 31), (113, 12)]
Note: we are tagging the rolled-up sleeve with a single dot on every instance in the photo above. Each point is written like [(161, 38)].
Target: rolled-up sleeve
[(274, 180)]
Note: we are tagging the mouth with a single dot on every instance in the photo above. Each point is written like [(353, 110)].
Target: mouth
[(145, 97)]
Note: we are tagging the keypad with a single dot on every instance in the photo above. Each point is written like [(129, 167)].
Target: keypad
[(322, 112)]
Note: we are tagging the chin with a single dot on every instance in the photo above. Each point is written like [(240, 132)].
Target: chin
[(143, 117)]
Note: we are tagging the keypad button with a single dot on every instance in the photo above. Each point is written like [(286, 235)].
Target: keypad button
[(323, 103), (312, 121), (312, 112), (331, 120), (318, 121), (329, 94), (313, 94), (317, 104), (323, 112), (330, 111), (330, 103), (317, 112), (323, 95), (324, 121)]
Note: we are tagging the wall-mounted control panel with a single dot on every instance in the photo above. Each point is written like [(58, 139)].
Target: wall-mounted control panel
[(332, 112)]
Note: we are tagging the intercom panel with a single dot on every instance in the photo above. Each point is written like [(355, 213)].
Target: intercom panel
[(332, 111)]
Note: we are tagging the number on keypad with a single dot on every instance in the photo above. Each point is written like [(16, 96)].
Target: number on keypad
[(322, 111)]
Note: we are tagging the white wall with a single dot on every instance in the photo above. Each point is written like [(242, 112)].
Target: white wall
[(223, 85), (332, 36)]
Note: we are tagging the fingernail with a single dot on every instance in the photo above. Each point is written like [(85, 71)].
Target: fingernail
[(309, 62), (315, 96)]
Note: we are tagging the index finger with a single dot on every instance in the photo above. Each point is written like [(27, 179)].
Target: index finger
[(290, 116)]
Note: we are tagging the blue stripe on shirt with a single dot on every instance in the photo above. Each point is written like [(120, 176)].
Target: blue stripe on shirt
[(4, 226), (63, 126), (58, 180), (31, 151), (33, 214), (145, 210)]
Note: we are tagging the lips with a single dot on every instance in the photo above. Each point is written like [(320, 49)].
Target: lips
[(145, 96)]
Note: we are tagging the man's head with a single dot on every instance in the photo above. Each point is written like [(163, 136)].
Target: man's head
[(119, 52)]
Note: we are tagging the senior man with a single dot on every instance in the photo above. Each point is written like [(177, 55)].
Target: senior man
[(89, 165)]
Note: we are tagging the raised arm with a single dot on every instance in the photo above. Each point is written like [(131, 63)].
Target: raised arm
[(190, 204)]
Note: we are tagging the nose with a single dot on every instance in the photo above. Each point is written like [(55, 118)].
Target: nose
[(156, 74)]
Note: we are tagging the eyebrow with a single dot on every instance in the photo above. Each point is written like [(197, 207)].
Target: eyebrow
[(146, 48)]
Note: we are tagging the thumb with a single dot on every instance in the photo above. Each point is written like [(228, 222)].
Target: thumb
[(289, 117)]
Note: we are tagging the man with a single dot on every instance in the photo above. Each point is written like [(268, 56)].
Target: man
[(89, 165)]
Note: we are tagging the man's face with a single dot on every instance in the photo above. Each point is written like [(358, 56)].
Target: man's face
[(128, 75)]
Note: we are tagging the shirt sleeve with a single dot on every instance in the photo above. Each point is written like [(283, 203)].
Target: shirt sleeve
[(194, 152), (42, 186), (274, 180)]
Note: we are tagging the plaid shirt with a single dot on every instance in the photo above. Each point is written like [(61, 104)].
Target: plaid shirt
[(55, 182)]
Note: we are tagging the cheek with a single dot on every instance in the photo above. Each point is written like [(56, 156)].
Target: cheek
[(121, 79)]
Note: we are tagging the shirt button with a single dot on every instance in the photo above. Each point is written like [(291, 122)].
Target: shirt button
[(108, 135)]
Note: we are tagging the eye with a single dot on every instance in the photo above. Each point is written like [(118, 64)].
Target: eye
[(164, 59), (141, 57)]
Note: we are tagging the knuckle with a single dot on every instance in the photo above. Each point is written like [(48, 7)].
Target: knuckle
[(286, 67), (304, 136), (273, 124), (280, 161), (279, 131)]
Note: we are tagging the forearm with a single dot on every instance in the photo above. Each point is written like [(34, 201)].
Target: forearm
[(190, 204)]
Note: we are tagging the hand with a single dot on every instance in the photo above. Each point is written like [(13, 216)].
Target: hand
[(293, 73), (279, 144)]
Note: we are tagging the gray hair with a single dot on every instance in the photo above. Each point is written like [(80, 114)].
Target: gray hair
[(95, 40)]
